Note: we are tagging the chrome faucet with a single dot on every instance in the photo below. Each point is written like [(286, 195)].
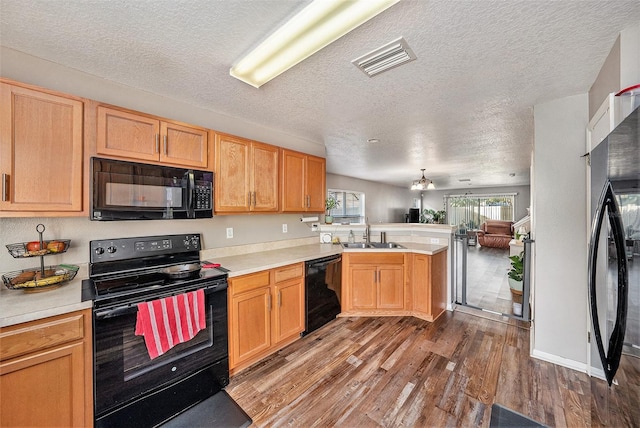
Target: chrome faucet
[(366, 235)]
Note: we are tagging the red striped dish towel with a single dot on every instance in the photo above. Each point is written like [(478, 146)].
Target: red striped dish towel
[(164, 323)]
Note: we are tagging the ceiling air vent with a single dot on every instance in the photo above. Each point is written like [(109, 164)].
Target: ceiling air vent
[(385, 58)]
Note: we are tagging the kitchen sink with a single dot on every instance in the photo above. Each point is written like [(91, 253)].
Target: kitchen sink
[(385, 245), (356, 245), (372, 245)]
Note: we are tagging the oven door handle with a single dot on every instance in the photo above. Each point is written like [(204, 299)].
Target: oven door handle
[(115, 312)]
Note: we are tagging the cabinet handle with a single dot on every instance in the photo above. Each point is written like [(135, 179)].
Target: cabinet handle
[(308, 201), (279, 298), (269, 303), (166, 137), (254, 199), (5, 179), (249, 194), (157, 143)]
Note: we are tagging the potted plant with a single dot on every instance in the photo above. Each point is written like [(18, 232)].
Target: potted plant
[(329, 204), (515, 278)]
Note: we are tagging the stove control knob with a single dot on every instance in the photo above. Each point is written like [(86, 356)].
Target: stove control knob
[(111, 250), (99, 250)]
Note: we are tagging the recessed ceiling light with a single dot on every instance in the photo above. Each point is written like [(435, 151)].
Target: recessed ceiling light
[(319, 24)]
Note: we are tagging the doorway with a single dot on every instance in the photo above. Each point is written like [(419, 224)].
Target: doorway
[(480, 278)]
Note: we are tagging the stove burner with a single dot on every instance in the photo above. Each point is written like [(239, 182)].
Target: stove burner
[(136, 281), (131, 286)]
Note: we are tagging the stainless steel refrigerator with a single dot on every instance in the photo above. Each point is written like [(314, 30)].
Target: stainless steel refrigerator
[(614, 250)]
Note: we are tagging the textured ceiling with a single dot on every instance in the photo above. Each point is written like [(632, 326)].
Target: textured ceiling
[(463, 109)]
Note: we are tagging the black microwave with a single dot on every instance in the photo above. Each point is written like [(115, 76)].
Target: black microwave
[(134, 191)]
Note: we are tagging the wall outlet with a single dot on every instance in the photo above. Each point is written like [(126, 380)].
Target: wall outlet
[(229, 232), (314, 227), (435, 241), (284, 228)]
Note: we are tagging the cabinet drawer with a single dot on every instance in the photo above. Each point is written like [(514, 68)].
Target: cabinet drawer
[(39, 335), (286, 273), (249, 282), (375, 258)]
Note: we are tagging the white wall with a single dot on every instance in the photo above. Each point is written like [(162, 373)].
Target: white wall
[(629, 57), (560, 261), (383, 203)]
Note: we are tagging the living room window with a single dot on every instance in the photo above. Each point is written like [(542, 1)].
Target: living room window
[(470, 211), (351, 206)]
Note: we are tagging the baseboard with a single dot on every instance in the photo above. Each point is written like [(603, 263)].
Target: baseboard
[(564, 362), (598, 373)]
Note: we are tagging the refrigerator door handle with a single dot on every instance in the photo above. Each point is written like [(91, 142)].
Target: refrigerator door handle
[(611, 358)]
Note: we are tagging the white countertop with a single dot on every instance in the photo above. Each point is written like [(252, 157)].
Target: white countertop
[(17, 306), (254, 262)]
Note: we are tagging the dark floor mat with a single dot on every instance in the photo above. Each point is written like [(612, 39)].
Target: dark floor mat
[(218, 411), (501, 417)]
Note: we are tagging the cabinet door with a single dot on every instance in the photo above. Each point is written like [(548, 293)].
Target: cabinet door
[(264, 177), (128, 135), (289, 309), (46, 388), (438, 283), (363, 286), (421, 282), (184, 145), (316, 183), (41, 151), (249, 324), (232, 190), (294, 197), (390, 287)]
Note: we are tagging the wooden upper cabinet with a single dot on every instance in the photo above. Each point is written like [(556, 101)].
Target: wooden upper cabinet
[(246, 175), (303, 182), (184, 145), (316, 183), (264, 177), (41, 152), (146, 138)]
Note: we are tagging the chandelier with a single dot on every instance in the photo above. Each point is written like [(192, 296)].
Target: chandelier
[(423, 183)]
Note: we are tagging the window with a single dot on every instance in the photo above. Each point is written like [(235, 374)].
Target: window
[(471, 211), (350, 207)]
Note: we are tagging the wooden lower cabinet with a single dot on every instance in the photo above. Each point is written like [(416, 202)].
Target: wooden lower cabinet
[(393, 284), (46, 372), (375, 281), (429, 285), (266, 313)]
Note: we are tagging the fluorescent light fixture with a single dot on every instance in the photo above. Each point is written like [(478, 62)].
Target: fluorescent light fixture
[(319, 24)]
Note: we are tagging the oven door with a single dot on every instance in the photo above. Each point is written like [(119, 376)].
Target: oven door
[(123, 370)]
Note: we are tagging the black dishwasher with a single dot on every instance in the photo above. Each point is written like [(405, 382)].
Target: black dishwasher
[(323, 289)]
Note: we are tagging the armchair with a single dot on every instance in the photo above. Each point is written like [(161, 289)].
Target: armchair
[(495, 233)]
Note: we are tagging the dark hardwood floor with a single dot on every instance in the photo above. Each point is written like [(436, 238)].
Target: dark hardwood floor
[(402, 371)]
